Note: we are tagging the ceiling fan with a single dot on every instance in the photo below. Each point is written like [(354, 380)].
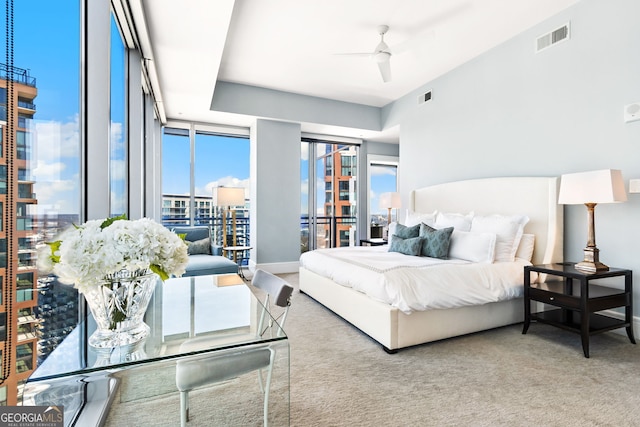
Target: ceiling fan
[(381, 55)]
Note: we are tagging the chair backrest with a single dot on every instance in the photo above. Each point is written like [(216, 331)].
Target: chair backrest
[(193, 232), (279, 290)]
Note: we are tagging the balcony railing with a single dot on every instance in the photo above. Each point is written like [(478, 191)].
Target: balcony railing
[(242, 228), (18, 75), (327, 228), (26, 104)]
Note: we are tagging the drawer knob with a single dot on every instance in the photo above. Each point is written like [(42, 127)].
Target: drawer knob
[(551, 298)]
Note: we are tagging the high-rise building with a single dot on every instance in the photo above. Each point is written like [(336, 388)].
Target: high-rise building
[(18, 275), (340, 187), (175, 211)]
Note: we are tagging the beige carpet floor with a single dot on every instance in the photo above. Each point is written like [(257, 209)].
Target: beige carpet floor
[(340, 377)]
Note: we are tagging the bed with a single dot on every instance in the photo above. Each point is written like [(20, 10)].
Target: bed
[(395, 328)]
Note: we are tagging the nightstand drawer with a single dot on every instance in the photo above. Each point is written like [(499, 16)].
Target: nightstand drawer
[(554, 298)]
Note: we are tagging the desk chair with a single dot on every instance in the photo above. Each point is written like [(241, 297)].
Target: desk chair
[(198, 371)]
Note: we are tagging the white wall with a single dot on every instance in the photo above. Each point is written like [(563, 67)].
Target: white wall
[(512, 112)]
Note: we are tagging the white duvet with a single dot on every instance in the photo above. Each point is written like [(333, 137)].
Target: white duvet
[(413, 283)]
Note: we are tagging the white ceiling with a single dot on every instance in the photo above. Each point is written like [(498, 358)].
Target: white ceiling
[(294, 46)]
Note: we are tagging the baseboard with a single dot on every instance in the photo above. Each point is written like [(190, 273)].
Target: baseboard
[(622, 331), (276, 267)]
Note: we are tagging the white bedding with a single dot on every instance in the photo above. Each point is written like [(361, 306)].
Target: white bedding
[(412, 283)]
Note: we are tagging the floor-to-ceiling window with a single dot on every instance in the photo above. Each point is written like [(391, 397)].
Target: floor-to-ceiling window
[(176, 177), (223, 161), (195, 161), (383, 178), (117, 128), (50, 154), (330, 218), (40, 167)]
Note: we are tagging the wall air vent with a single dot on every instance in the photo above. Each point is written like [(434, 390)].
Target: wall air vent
[(424, 98), (552, 38)]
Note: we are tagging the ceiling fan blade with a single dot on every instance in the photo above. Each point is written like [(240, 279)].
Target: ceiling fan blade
[(361, 54), (385, 70)]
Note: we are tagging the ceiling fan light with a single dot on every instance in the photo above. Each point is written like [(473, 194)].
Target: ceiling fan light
[(382, 57)]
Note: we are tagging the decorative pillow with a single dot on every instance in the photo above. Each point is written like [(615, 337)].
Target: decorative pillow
[(406, 232), (202, 246), (508, 230), (473, 246), (435, 243), (392, 229), (415, 218), (525, 248), (405, 246), (458, 221)]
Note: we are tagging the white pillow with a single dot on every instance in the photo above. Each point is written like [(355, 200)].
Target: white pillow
[(415, 218), (525, 248), (474, 247), (458, 221), (508, 230), (392, 229)]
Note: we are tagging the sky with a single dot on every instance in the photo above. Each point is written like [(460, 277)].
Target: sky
[(219, 161), (46, 42)]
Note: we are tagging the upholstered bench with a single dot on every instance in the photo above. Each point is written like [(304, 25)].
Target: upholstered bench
[(204, 256)]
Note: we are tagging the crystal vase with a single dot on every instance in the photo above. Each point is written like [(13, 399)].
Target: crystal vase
[(118, 307)]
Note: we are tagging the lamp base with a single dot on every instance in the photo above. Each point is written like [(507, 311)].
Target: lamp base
[(591, 262)]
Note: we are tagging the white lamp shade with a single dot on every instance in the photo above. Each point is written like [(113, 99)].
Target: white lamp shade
[(390, 200), (602, 186), (228, 196)]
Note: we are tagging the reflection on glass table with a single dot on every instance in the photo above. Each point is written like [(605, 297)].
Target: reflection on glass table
[(189, 318)]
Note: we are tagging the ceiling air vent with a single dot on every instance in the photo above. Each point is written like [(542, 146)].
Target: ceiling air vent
[(424, 98), (552, 38)]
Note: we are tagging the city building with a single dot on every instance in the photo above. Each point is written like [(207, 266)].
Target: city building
[(18, 275), (175, 211), (340, 172)]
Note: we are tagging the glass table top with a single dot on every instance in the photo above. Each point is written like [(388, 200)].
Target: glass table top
[(187, 316)]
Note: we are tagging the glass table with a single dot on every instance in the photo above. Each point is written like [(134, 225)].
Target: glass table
[(189, 317)]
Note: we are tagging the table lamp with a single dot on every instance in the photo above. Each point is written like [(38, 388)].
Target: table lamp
[(226, 197), (390, 201), (591, 188)]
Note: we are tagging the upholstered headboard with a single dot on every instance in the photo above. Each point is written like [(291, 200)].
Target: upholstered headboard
[(535, 197)]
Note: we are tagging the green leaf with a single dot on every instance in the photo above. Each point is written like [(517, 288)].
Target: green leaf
[(107, 222), (116, 317), (160, 272), (182, 236), (55, 247)]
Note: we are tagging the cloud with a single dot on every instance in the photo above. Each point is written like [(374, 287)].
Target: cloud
[(118, 203), (118, 170), (304, 152), (227, 181), (56, 156), (383, 170), (47, 171), (117, 141), (53, 140), (59, 196)]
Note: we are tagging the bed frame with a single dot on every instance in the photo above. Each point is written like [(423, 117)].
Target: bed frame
[(533, 196)]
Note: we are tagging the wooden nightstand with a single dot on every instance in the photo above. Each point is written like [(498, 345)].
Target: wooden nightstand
[(577, 305), (373, 242)]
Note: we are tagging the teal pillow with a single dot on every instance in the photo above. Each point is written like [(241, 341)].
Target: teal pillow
[(409, 246), (407, 232), (435, 243), (202, 246)]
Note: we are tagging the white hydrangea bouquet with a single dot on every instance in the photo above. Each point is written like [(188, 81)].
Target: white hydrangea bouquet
[(84, 255)]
